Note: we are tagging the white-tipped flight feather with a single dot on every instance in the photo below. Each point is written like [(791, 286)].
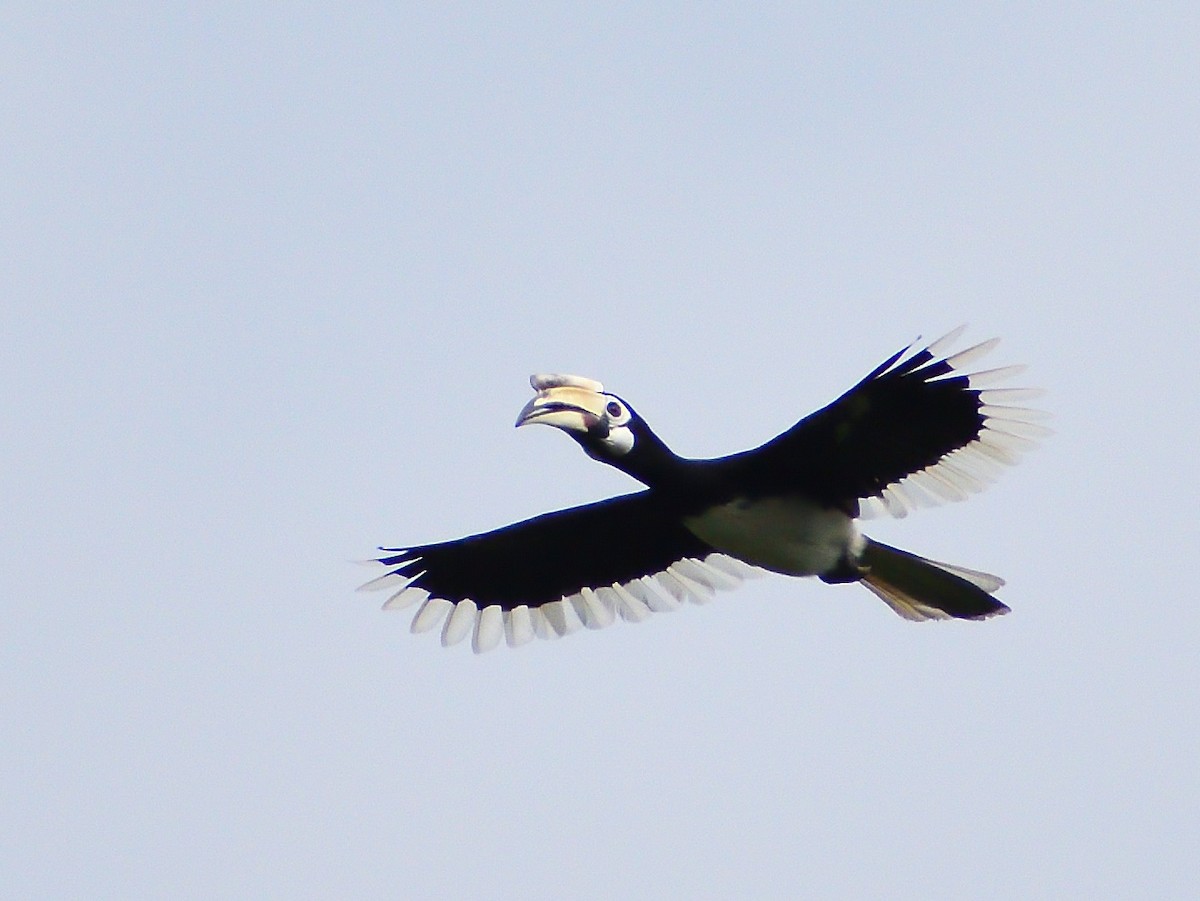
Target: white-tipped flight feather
[(1007, 432)]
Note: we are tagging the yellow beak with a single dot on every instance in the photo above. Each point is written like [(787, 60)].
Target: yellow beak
[(570, 407)]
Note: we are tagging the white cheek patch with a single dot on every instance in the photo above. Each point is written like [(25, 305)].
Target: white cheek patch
[(620, 440)]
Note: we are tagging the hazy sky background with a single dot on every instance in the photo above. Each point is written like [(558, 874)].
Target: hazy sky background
[(273, 279)]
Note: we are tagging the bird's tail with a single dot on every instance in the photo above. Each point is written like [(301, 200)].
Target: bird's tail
[(920, 589)]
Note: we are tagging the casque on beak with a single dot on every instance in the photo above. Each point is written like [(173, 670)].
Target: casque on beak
[(568, 402)]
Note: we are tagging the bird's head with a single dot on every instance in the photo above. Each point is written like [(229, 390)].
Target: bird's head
[(607, 428), (602, 423)]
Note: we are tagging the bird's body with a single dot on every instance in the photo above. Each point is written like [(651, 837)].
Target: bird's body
[(915, 431), (791, 535)]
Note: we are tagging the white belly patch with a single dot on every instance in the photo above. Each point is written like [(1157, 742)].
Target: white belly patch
[(786, 535)]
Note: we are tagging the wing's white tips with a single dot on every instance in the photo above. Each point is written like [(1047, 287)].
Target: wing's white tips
[(739, 569), (697, 573), (894, 501), (698, 591), (687, 579), (944, 485), (971, 354), (938, 347), (995, 452), (931, 488), (431, 614), (871, 508), (1021, 428), (405, 598), (541, 625), (518, 627), (460, 623), (653, 595), (1007, 431), (489, 629), (392, 581), (561, 617), (555, 619), (671, 586), (1006, 440), (969, 481), (714, 576), (1010, 413), (632, 609), (1011, 395), (369, 562), (594, 613), (990, 377)]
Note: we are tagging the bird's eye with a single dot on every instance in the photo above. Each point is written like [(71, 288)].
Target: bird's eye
[(613, 408)]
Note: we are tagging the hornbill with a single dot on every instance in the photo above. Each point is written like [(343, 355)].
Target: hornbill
[(918, 430)]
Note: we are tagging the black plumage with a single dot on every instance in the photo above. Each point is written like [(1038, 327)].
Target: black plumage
[(902, 418), (553, 555), (915, 430)]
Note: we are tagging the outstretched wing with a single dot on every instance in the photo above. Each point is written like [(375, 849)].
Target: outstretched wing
[(550, 575), (918, 430)]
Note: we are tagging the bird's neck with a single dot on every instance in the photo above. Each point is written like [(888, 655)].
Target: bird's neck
[(656, 466)]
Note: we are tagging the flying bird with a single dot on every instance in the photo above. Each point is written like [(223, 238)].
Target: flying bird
[(917, 430)]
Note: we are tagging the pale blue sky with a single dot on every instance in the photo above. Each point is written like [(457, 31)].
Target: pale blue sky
[(273, 281)]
